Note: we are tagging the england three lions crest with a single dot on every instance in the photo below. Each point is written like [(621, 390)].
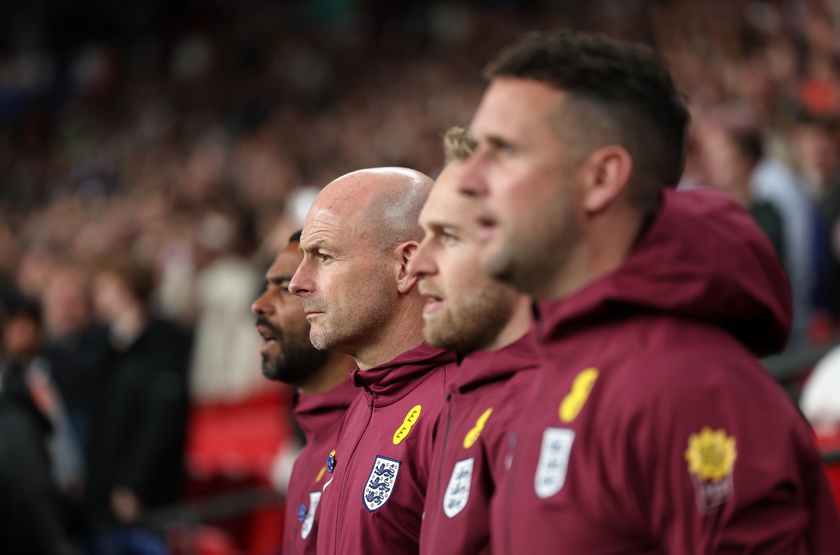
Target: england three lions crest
[(458, 491), (380, 483), (554, 461)]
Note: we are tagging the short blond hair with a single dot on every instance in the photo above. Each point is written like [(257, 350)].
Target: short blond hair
[(457, 144)]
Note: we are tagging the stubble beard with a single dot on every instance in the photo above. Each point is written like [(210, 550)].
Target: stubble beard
[(297, 360), (533, 260), (474, 325)]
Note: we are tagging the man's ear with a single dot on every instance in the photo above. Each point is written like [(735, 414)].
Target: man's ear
[(405, 281), (604, 174)]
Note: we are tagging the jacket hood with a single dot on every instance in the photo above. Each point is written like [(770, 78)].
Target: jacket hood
[(391, 381), (481, 367), (703, 258), (316, 413)]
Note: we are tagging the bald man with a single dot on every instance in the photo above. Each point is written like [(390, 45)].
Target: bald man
[(360, 300), (322, 395)]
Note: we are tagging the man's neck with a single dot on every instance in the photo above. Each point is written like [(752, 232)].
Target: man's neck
[(334, 373), (517, 325), (608, 244), (403, 333)]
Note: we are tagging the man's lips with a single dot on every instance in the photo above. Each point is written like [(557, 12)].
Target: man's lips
[(269, 338), (486, 228), (432, 304)]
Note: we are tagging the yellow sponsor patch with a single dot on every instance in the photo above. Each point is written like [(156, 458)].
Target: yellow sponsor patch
[(408, 422), (472, 435), (711, 454), (573, 402)]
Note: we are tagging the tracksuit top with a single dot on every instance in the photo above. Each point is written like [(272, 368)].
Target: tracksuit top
[(471, 454), (372, 497), (654, 428), (319, 416)]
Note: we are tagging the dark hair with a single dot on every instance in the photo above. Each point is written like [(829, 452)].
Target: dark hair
[(138, 276), (19, 306), (620, 92), (295, 238)]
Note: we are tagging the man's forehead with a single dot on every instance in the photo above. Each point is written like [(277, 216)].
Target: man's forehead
[(321, 220), (446, 205), (286, 261), (509, 100)]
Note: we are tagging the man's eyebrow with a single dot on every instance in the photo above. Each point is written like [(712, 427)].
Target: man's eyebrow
[(437, 224), (315, 245)]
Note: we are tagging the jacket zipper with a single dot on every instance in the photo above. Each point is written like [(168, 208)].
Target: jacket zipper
[(344, 486), (445, 443)]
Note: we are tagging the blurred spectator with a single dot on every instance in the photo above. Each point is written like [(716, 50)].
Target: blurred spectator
[(732, 155), (775, 183), (30, 420), (831, 217), (820, 400), (75, 344), (225, 358), (139, 409), (22, 355)]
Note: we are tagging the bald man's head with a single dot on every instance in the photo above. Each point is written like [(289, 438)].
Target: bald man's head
[(358, 236), (383, 204)]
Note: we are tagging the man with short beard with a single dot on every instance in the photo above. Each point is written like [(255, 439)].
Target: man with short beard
[(323, 393), (359, 299), (652, 427), (485, 322)]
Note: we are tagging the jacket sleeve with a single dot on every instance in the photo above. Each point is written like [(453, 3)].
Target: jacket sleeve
[(727, 462)]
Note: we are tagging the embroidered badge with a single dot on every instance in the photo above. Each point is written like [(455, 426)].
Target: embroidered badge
[(711, 458), (458, 491), (409, 421), (330, 461), (573, 402), (314, 499), (554, 461), (380, 483), (472, 435)]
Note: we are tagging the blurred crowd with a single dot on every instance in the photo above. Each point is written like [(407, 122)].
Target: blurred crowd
[(154, 155)]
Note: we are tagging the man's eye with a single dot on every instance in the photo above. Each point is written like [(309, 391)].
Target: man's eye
[(324, 257), (445, 238)]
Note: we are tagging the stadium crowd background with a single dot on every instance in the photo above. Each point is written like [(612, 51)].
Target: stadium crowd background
[(191, 135)]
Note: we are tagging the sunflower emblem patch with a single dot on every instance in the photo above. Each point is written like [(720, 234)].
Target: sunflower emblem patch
[(711, 456)]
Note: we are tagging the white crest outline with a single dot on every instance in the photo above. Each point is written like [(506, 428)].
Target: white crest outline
[(314, 499), (380, 483), (458, 489), (554, 461)]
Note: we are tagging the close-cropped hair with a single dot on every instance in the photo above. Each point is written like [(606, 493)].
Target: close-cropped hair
[(457, 145), (615, 91)]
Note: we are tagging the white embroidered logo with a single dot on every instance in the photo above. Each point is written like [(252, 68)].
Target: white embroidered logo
[(458, 490), (314, 498), (554, 461)]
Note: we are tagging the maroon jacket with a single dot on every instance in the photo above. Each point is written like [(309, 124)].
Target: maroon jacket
[(470, 456), (319, 416), (372, 501), (654, 429)]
